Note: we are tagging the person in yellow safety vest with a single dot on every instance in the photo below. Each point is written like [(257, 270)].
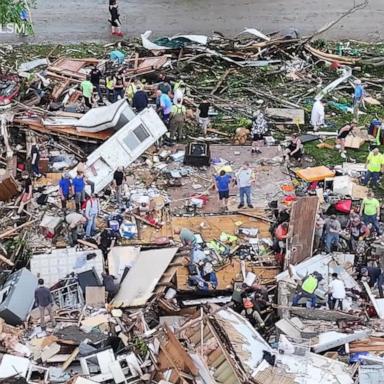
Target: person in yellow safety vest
[(132, 89), (109, 87), (308, 288), (374, 165), (177, 121)]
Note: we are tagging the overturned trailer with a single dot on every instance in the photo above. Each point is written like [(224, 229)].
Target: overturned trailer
[(124, 147)]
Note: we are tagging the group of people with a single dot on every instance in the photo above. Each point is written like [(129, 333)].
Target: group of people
[(244, 179), (359, 227), (337, 291), (87, 208), (308, 286), (167, 96)]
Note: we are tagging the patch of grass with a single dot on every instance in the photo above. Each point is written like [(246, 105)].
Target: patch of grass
[(331, 157)]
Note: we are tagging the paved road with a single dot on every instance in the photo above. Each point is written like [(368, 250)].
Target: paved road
[(86, 20)]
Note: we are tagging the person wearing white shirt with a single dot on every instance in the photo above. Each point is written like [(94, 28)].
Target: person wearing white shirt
[(245, 178), (336, 292), (317, 115)]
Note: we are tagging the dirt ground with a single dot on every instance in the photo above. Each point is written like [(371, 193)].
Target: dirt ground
[(265, 188), (74, 21)]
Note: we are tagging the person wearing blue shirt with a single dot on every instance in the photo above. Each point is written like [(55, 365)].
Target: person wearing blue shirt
[(222, 186), (65, 189), (358, 98), (78, 189), (166, 106)]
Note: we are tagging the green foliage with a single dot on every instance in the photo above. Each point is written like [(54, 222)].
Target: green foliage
[(10, 13), (140, 346)]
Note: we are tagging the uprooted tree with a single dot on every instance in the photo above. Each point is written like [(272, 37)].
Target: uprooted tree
[(15, 16)]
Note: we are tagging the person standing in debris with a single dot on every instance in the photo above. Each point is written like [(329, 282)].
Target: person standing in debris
[(82, 168), (92, 209), (358, 231), (317, 115), (280, 237), (259, 129), (164, 85), (95, 75), (118, 88), (319, 229), (245, 178), (370, 210), (177, 120), (251, 312), (26, 194), (35, 158), (294, 149), (78, 190), (44, 301), (203, 115), (131, 89), (75, 221), (374, 165), (336, 293), (358, 98), (342, 135), (370, 275), (115, 18), (109, 284), (178, 91), (87, 89), (332, 233), (65, 190), (140, 99), (223, 180), (166, 106), (187, 237), (109, 82), (307, 289), (118, 180)]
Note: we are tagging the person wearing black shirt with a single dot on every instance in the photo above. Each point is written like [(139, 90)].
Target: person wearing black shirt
[(35, 157), (118, 88), (140, 99), (118, 179), (95, 80), (203, 115), (115, 18), (26, 194), (44, 301), (109, 284)]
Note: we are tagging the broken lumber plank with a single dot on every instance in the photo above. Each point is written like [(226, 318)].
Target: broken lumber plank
[(330, 57), (255, 216), (211, 130), (272, 97), (157, 226), (218, 85), (88, 244), (3, 259), (16, 229), (70, 359)]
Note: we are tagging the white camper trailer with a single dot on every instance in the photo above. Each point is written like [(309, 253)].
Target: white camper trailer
[(124, 147)]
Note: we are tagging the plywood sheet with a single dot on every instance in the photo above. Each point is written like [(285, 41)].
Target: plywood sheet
[(301, 228), (210, 227), (141, 280)]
